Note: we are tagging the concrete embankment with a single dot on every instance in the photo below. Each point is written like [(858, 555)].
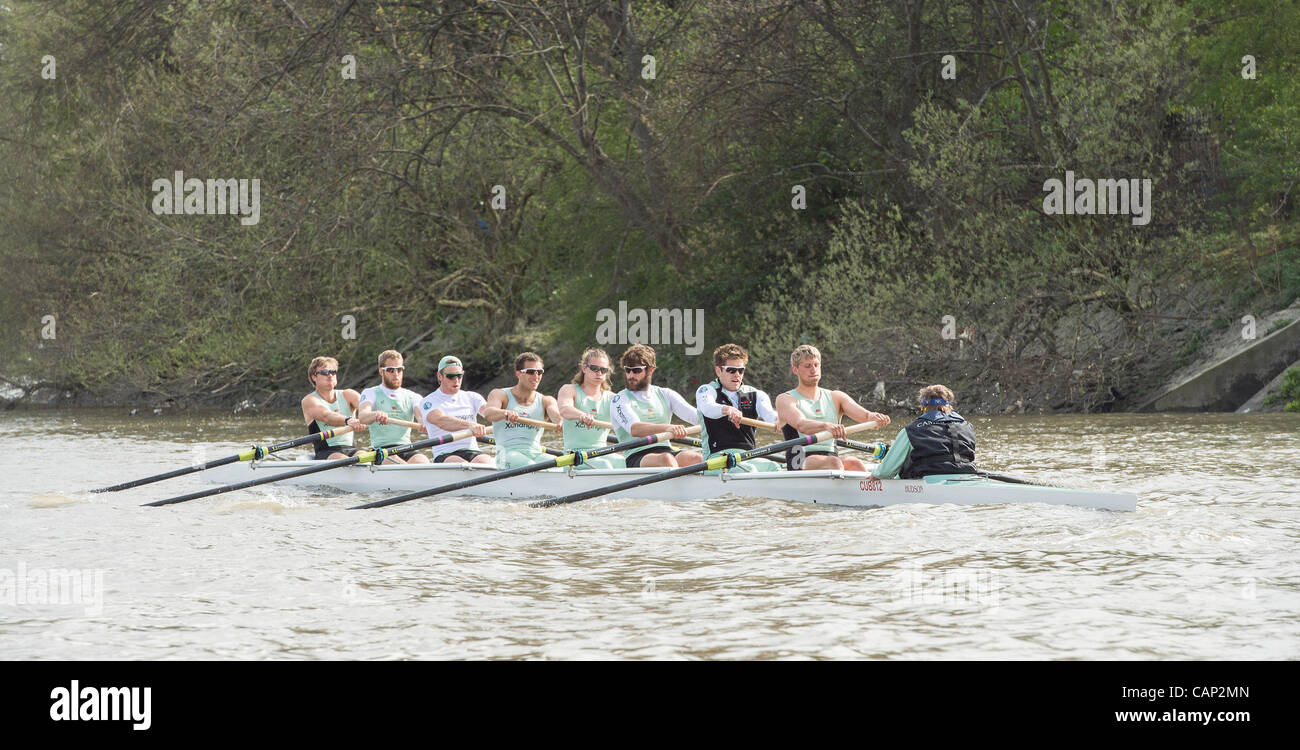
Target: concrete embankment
[(1232, 381)]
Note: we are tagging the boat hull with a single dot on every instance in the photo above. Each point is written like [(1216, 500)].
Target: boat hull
[(848, 488)]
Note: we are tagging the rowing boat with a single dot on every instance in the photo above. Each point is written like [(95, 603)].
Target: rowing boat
[(850, 488)]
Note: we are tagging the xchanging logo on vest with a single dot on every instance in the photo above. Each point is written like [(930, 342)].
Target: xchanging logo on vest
[(653, 327)]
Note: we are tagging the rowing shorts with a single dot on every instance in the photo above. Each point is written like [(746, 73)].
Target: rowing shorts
[(634, 460), (466, 453), (329, 450)]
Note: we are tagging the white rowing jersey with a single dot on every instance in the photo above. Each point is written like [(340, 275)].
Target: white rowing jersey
[(461, 405), (623, 414)]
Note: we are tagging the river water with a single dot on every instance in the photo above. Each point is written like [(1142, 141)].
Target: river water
[(1205, 569)]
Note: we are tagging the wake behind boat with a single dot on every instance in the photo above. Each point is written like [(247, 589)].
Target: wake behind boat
[(830, 487)]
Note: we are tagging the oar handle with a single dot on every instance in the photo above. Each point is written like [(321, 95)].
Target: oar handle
[(692, 430), (404, 423), (759, 423)]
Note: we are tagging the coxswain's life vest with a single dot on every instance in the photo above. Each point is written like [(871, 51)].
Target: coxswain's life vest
[(941, 444)]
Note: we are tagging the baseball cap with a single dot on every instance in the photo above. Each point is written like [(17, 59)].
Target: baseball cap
[(450, 361)]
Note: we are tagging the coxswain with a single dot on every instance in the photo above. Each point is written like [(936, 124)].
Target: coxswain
[(939, 442)]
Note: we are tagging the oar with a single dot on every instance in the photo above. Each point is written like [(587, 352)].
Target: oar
[(877, 450), (692, 442), (551, 451), (256, 453), (574, 458), (375, 456), (1013, 480), (724, 461)]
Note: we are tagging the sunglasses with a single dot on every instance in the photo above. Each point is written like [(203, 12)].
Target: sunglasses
[(634, 370), (453, 375), (597, 368), (327, 373), (734, 370), (533, 370), (393, 369)]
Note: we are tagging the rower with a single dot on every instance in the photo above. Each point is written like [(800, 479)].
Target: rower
[(808, 409), (389, 400), (642, 410), (582, 403), (450, 409), (724, 402), (328, 407), (520, 444), (939, 442)]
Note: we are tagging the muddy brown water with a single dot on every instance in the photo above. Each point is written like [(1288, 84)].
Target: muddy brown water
[(1205, 569)]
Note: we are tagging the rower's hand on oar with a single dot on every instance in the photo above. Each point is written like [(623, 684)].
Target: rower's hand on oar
[(679, 431), (482, 431), (512, 417), (836, 429), (381, 417), (587, 420), (354, 423), (881, 420), (732, 413)]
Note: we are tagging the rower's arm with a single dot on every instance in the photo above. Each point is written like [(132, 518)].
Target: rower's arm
[(367, 414), (446, 422), (564, 402), (622, 416), (765, 410), (495, 409), (895, 458), (856, 411), (707, 403), (552, 409), (788, 413), (678, 405)]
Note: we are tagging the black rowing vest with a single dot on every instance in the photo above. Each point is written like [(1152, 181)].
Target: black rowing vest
[(941, 444), (720, 434)]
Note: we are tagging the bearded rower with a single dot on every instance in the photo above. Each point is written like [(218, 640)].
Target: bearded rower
[(940, 442), (451, 409), (724, 402), (808, 409), (642, 410), (389, 400), (520, 444), (326, 407), (582, 403)]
